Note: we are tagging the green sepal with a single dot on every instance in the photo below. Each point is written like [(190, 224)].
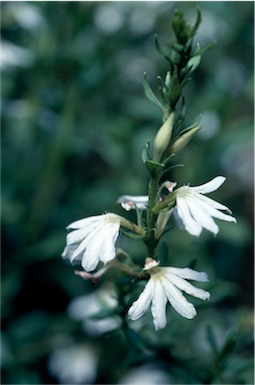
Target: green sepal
[(171, 167), (153, 166), (184, 138), (146, 153), (189, 128), (130, 234), (150, 94)]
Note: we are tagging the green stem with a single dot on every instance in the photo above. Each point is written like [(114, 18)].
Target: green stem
[(151, 241), (167, 201)]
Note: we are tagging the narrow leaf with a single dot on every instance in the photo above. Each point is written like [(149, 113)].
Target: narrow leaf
[(130, 235), (150, 94), (211, 338), (194, 62), (197, 23), (200, 51), (161, 49)]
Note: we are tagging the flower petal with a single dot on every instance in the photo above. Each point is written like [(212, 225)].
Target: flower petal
[(140, 306), (210, 186), (188, 273), (187, 287), (177, 300), (210, 202), (78, 235), (218, 214), (201, 216), (109, 237), (184, 214), (86, 222), (158, 307)]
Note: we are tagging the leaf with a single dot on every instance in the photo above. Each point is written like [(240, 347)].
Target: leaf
[(230, 343), (175, 46), (146, 153), (130, 234), (136, 340), (197, 23), (161, 49), (171, 167), (175, 88), (211, 338), (200, 51), (153, 166), (193, 63), (150, 94), (104, 313)]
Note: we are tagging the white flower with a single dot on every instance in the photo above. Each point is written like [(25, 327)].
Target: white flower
[(129, 202), (166, 284), (195, 211), (92, 240)]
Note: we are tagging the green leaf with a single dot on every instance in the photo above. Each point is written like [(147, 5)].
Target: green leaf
[(104, 313), (136, 340), (150, 94), (211, 338), (193, 63), (161, 49), (171, 167), (175, 46), (130, 234), (179, 119), (200, 51), (230, 343), (175, 88), (153, 166), (197, 23), (146, 153)]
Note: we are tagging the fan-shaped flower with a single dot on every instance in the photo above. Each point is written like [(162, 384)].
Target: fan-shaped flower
[(194, 211), (165, 284), (92, 240)]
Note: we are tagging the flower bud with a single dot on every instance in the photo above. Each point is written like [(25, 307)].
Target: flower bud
[(163, 137), (183, 140)]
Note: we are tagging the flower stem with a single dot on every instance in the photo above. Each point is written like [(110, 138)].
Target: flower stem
[(151, 241)]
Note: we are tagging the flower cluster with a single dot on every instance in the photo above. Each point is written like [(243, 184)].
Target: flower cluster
[(93, 240)]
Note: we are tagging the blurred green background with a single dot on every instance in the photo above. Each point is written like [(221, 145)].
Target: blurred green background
[(74, 123)]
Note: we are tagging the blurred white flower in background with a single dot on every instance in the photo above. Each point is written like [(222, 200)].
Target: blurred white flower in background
[(13, 55), (145, 375), (73, 365), (83, 307), (27, 15)]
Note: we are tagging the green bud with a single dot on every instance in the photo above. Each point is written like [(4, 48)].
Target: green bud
[(183, 140), (163, 138)]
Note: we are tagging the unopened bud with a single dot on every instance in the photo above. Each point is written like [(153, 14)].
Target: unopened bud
[(163, 137), (183, 140)]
